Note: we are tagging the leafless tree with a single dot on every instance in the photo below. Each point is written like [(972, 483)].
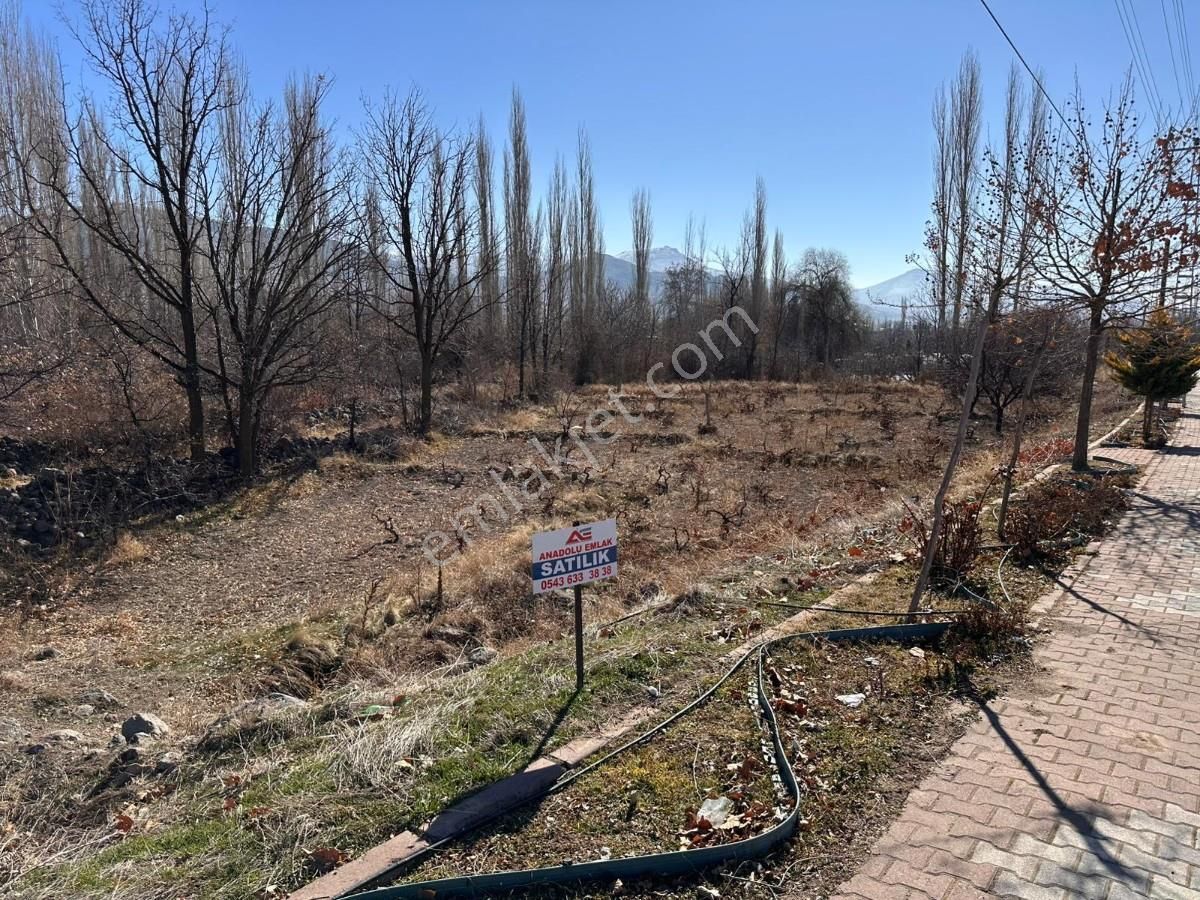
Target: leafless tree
[(938, 233), (1009, 213), (423, 179), (829, 322), (276, 238), (586, 253), (128, 186), (758, 274), (558, 212), (522, 232), (779, 289), (37, 322), (1111, 198), (489, 254), (966, 113), (642, 226)]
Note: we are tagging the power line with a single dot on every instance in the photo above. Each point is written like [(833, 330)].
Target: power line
[(1137, 29), (1189, 73), (1144, 72), (1032, 74), (1162, 4)]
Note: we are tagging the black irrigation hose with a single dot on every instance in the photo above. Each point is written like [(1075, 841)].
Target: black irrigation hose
[(1119, 467), (677, 862), (859, 612)]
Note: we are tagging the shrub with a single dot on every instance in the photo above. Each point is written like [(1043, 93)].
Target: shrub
[(1060, 508), (958, 544), (992, 621)]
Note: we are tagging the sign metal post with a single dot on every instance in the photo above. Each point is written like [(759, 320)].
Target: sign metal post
[(572, 557), (578, 638)]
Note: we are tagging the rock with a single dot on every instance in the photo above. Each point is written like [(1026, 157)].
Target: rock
[(851, 700), (481, 656), (97, 698), (125, 766), (11, 731), (41, 654), (10, 472), (168, 763), (653, 692), (64, 736), (916, 652), (251, 712), (34, 749), (716, 811), (449, 634), (83, 710), (142, 724)]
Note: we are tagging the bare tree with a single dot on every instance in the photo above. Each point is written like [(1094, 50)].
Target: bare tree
[(779, 289), (423, 179), (558, 211), (829, 321), (966, 113), (1111, 199), (37, 322), (489, 254), (522, 240), (586, 252), (136, 166), (758, 274), (1009, 214), (277, 236), (937, 238), (642, 225)]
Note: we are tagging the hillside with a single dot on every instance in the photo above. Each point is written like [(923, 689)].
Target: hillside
[(883, 300)]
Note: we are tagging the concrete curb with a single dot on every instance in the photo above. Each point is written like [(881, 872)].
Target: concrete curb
[(535, 779), (509, 793)]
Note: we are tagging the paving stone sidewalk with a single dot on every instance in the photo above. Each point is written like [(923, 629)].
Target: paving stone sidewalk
[(1092, 788)]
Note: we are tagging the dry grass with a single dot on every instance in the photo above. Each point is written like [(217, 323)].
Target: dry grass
[(127, 549), (794, 479)]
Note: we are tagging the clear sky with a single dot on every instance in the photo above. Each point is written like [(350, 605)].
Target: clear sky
[(827, 101)]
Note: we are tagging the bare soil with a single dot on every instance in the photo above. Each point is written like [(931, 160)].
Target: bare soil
[(184, 619)]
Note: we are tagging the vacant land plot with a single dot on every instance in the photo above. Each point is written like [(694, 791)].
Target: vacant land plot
[(325, 684)]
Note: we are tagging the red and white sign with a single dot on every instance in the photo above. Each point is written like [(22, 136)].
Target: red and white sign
[(575, 555)]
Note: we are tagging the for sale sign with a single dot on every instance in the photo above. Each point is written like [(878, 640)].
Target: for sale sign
[(576, 555)]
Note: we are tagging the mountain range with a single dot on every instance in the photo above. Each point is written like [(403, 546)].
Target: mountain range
[(881, 301), (661, 258)]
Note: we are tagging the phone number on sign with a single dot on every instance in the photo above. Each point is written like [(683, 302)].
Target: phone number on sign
[(563, 581)]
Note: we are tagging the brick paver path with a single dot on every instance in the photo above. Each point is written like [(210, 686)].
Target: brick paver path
[(1091, 789)]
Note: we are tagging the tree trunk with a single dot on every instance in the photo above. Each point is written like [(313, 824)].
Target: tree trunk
[(1147, 422), (425, 417), (964, 419), (191, 385), (1083, 422), (1026, 403), (247, 462)]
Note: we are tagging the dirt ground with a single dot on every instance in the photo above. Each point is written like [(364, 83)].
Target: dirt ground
[(185, 618), (179, 629)]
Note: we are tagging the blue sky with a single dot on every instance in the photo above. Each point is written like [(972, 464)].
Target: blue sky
[(827, 101)]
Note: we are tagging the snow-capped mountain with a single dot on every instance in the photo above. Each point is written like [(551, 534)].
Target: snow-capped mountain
[(882, 301), (661, 258)]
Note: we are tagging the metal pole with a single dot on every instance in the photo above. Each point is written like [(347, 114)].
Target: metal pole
[(578, 637)]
